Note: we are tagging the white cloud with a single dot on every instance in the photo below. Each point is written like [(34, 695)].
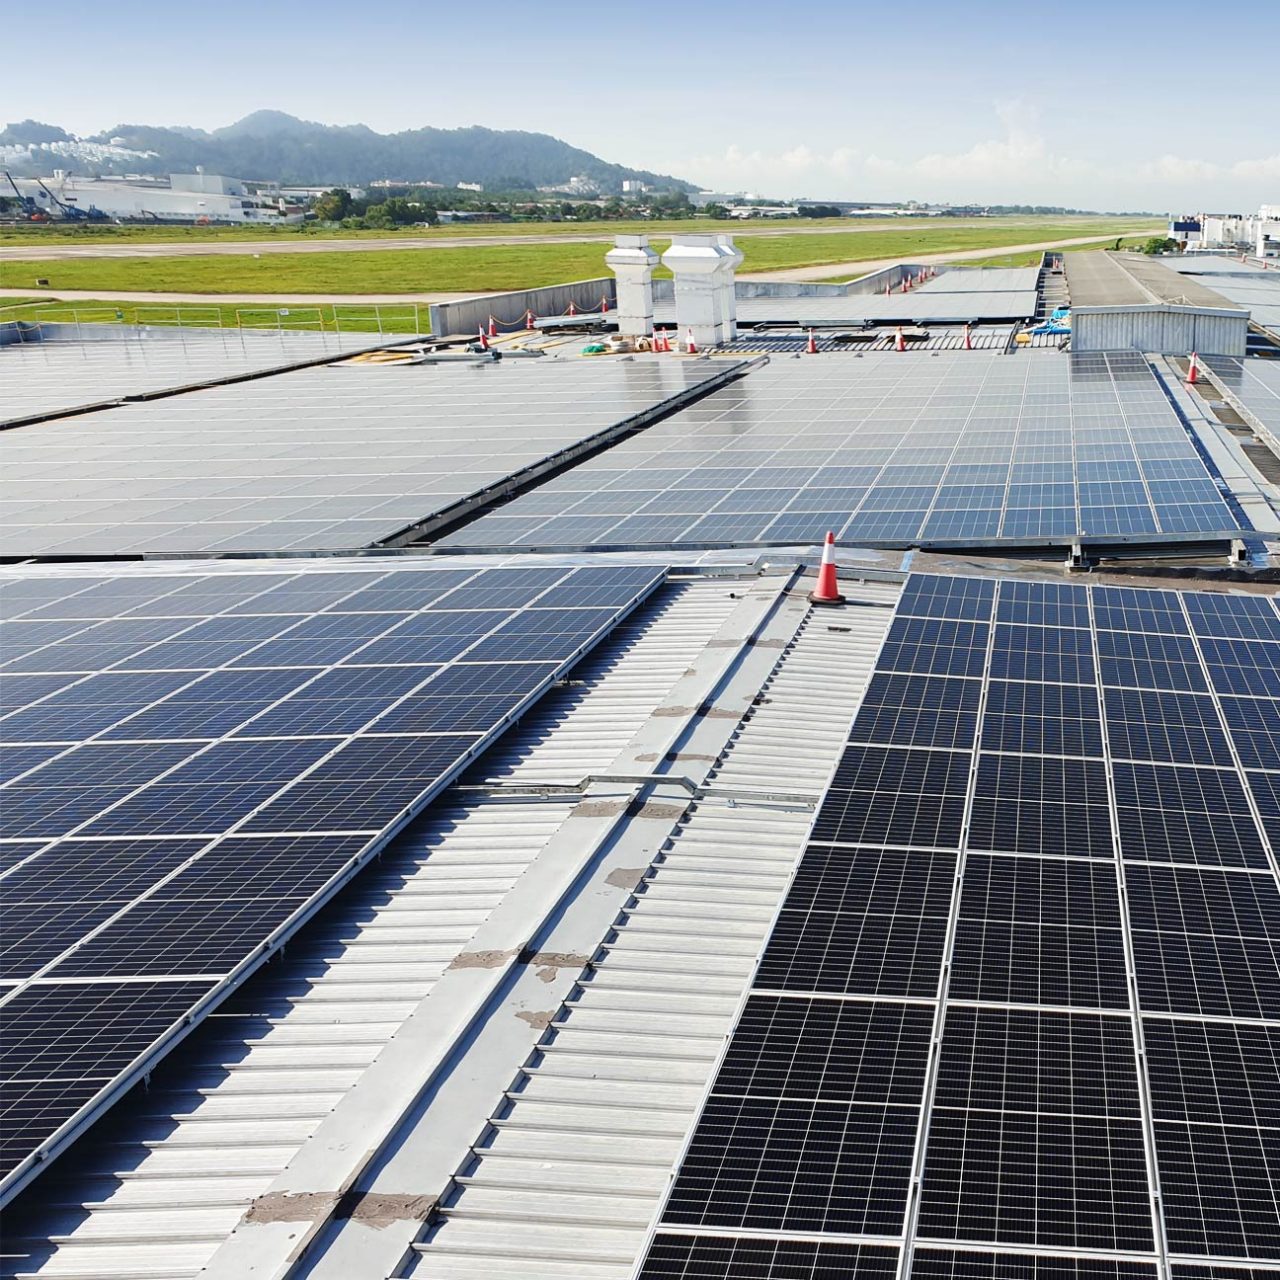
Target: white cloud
[(1268, 167), (1020, 156), (1017, 164), (1170, 168)]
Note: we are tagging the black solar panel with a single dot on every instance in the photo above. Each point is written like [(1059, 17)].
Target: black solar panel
[(170, 818), (1075, 753), (720, 1257), (972, 1264)]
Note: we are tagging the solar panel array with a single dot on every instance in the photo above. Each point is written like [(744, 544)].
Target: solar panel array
[(954, 296), (1255, 383), (194, 760), (335, 457), (961, 448), (1020, 1008), (55, 374)]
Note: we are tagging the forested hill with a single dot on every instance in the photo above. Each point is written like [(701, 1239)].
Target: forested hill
[(270, 145)]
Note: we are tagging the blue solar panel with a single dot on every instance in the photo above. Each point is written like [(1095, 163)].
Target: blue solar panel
[(962, 448), (171, 817)]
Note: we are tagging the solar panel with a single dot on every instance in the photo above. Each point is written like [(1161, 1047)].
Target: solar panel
[(170, 819), (962, 448), (327, 458), (56, 373), (720, 1257), (1036, 841)]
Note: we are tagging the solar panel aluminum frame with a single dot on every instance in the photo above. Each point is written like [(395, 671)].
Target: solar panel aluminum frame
[(57, 1143), (1144, 544), (444, 520)]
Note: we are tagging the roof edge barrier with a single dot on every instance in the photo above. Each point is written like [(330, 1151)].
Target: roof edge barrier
[(572, 875)]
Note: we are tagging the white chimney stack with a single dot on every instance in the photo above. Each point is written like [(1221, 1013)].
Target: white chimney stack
[(632, 263), (728, 292), (698, 264)]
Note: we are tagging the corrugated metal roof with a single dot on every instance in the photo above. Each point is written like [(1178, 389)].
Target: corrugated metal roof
[(224, 1119), (567, 1175)]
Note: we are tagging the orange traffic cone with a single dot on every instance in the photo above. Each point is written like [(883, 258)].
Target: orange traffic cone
[(899, 342), (1193, 370), (573, 311), (604, 306), (968, 339), (529, 319), (828, 589), (689, 345), (484, 341), (493, 327), (812, 348)]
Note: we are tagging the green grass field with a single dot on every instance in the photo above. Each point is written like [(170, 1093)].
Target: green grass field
[(346, 318), (96, 233), (496, 267)]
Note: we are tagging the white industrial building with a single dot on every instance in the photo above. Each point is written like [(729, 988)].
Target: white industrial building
[(1258, 232), (186, 197)]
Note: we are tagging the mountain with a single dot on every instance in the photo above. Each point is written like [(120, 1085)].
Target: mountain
[(274, 146)]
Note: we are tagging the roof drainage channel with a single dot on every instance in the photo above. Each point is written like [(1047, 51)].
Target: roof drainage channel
[(519, 482), (451, 1059), (224, 1116), (571, 1168)]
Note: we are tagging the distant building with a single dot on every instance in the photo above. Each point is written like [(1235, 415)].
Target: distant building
[(470, 186), (1258, 233), (186, 197)]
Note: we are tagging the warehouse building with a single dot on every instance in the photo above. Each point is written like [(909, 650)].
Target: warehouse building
[(186, 197), (454, 828)]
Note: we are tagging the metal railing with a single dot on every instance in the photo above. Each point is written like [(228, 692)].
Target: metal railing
[(405, 318)]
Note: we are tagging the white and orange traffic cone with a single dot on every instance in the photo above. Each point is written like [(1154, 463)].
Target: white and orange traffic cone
[(968, 339), (828, 589), (899, 342), (689, 345), (812, 347), (604, 306), (1193, 370), (493, 327), (484, 340), (530, 318), (573, 310), (888, 288)]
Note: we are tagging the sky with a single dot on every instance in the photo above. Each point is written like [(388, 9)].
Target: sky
[(1089, 104)]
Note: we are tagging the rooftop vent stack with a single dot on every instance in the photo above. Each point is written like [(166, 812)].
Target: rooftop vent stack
[(696, 262), (728, 290), (632, 263)]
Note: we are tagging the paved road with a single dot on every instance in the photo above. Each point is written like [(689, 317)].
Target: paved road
[(849, 270), (240, 248)]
